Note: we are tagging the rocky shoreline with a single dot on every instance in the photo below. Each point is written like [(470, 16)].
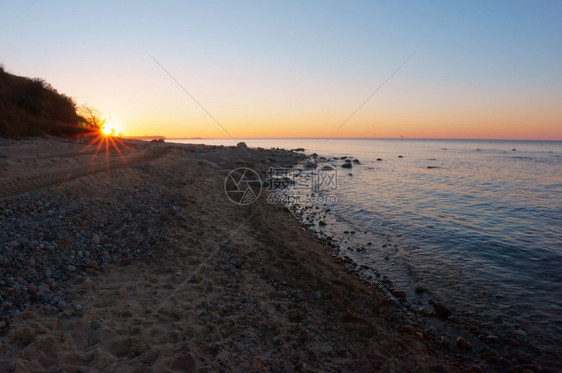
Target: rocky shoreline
[(481, 341), (149, 267)]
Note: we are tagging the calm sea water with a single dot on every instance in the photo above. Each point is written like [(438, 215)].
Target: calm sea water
[(478, 223)]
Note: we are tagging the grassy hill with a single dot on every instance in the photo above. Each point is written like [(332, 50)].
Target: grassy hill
[(32, 107)]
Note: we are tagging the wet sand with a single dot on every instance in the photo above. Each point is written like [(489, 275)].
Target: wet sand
[(135, 260)]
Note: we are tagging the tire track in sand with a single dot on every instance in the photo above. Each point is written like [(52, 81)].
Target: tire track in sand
[(24, 184)]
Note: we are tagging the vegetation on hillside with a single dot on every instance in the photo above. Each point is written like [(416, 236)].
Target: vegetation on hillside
[(32, 107)]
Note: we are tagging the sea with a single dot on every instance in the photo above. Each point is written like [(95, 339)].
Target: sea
[(478, 223)]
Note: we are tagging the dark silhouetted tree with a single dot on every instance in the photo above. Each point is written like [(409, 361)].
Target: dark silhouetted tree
[(91, 115)]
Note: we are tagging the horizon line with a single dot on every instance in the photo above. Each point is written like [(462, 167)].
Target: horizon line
[(345, 138)]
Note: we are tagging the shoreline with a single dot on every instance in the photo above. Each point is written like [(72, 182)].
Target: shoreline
[(153, 275), (493, 347)]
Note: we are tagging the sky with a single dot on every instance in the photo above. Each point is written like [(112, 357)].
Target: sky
[(476, 69)]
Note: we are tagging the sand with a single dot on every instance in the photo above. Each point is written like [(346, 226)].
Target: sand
[(227, 288)]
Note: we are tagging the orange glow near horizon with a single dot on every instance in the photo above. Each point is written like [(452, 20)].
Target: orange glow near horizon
[(512, 127)]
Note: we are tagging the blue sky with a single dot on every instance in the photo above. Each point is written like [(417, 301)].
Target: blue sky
[(480, 69)]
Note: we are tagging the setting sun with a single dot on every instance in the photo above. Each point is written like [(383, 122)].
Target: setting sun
[(107, 130), (110, 129)]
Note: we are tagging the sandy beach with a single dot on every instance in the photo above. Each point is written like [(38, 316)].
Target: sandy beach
[(132, 258)]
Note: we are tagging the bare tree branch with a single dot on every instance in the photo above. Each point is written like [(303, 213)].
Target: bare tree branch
[(91, 115)]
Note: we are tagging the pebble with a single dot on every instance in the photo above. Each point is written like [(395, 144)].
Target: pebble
[(315, 295), (463, 344), (439, 369), (399, 293), (441, 311), (511, 342), (420, 290), (489, 338)]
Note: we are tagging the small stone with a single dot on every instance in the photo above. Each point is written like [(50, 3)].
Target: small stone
[(95, 325), (77, 307), (511, 342), (532, 367), (420, 290), (315, 295), (441, 311), (95, 239), (489, 338), (31, 289), (43, 289), (463, 344), (439, 369), (379, 159), (408, 328), (71, 268), (399, 293), (491, 355)]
